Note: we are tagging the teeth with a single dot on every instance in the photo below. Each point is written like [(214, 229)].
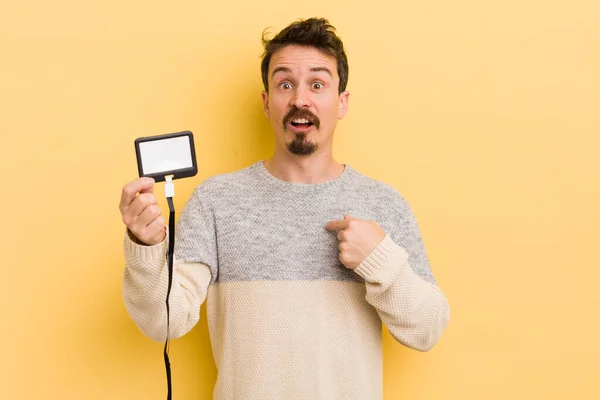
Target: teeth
[(301, 121)]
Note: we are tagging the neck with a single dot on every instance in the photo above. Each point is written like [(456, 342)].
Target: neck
[(316, 168)]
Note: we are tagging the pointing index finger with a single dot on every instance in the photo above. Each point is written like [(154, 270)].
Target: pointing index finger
[(337, 225)]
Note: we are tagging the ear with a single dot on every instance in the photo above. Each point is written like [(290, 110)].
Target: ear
[(265, 99), (343, 108)]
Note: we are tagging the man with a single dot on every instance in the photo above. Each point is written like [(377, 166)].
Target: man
[(300, 258)]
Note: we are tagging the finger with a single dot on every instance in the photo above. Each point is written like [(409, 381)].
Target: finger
[(142, 202), (342, 235), (348, 217), (156, 230), (344, 259), (146, 228), (337, 225), (148, 215), (130, 190)]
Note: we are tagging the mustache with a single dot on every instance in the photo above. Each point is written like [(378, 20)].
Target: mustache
[(296, 112)]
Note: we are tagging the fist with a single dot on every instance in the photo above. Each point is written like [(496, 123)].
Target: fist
[(357, 239), (141, 213)]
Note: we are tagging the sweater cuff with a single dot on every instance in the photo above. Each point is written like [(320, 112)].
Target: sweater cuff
[(143, 252), (381, 260)]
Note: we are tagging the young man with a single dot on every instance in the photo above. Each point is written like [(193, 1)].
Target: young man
[(299, 258)]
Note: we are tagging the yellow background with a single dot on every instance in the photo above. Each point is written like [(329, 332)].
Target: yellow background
[(485, 115)]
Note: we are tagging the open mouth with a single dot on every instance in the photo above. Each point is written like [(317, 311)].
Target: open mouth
[(301, 124), (300, 120)]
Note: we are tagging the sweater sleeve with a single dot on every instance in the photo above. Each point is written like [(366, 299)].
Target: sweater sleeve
[(145, 283), (195, 267), (414, 310), (399, 280)]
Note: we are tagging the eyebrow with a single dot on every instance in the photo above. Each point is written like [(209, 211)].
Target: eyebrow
[(315, 69)]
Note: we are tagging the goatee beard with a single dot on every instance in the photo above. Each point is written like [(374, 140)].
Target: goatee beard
[(301, 147)]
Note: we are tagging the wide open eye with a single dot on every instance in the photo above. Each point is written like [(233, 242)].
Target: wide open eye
[(285, 85), (317, 85)]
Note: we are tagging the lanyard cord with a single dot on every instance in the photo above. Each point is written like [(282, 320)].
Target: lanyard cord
[(169, 192)]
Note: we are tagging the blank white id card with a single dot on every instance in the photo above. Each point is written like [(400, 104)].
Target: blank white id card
[(169, 154)]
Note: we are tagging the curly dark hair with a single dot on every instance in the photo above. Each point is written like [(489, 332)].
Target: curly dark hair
[(314, 32)]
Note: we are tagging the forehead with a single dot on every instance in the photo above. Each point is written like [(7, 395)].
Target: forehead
[(302, 58)]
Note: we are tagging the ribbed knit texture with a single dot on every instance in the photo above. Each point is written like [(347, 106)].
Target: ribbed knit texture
[(287, 320)]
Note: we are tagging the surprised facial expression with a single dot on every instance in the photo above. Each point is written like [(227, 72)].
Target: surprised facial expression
[(303, 102)]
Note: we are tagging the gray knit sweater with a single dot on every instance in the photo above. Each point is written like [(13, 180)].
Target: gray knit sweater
[(287, 320)]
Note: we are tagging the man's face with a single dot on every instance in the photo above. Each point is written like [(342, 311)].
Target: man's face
[(303, 102)]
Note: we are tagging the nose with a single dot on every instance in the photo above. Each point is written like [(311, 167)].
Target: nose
[(301, 98)]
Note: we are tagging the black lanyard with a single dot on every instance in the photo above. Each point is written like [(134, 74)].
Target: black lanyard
[(170, 267)]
